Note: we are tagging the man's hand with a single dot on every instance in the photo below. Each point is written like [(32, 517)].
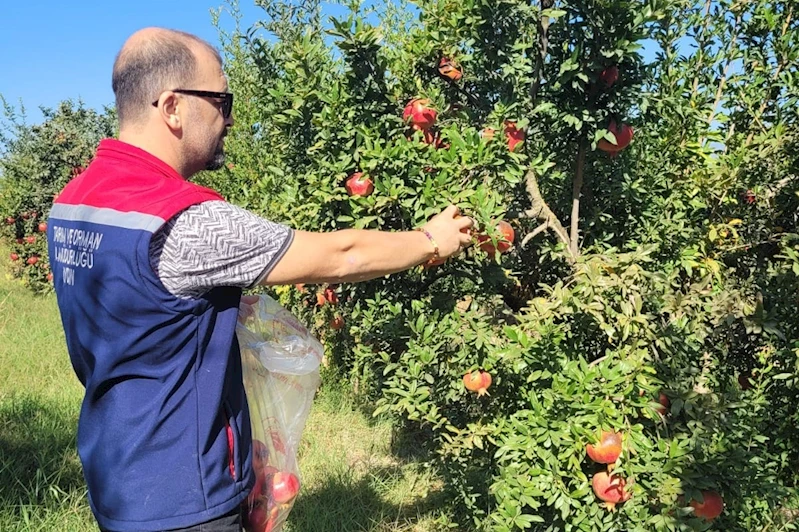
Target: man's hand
[(450, 230), (246, 307)]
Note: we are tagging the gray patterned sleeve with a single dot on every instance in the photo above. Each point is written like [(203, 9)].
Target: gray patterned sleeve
[(216, 244)]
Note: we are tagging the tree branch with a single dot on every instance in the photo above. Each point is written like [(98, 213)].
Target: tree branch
[(540, 210), (576, 189)]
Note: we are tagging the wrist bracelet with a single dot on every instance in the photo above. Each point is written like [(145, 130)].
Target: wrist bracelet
[(432, 241)]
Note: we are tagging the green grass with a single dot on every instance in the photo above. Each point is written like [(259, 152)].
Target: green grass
[(352, 481)]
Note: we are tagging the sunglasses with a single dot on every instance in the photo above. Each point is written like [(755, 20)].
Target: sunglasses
[(226, 97)]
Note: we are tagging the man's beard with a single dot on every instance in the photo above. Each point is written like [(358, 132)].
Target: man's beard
[(218, 160)]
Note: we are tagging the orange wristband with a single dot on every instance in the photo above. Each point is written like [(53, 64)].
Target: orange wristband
[(432, 241)]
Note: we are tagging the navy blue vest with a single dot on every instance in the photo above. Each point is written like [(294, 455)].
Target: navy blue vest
[(164, 432)]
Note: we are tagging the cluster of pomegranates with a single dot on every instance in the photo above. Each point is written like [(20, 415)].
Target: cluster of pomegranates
[(32, 256), (327, 296), (612, 488), (272, 495)]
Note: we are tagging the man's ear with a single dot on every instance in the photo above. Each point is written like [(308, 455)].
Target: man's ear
[(170, 106)]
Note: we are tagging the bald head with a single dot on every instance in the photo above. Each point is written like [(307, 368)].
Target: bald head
[(151, 61)]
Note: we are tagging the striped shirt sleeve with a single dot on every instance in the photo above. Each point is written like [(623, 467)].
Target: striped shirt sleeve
[(216, 244)]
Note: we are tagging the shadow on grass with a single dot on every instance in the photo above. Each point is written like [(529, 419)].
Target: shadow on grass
[(345, 504), (37, 451)]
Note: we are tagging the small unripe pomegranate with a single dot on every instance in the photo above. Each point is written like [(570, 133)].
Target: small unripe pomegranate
[(450, 69), (320, 299), (488, 133), (337, 323)]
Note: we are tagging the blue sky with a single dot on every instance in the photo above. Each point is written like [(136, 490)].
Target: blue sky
[(55, 50)]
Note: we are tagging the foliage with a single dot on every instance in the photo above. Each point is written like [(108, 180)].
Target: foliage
[(36, 161)]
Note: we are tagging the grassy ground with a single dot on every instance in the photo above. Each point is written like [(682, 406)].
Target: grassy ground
[(351, 479)]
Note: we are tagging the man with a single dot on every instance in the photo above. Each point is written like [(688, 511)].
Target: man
[(149, 270)]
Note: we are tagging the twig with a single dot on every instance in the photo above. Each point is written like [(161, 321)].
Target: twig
[(773, 79), (538, 230), (576, 189), (746, 247), (460, 89), (723, 80), (543, 43), (597, 361)]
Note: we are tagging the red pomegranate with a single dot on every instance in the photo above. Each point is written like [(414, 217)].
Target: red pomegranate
[(507, 235), (477, 381), (623, 134), (607, 450), (358, 185), (331, 296), (513, 134), (663, 399), (419, 114), (609, 76), (610, 489), (711, 506)]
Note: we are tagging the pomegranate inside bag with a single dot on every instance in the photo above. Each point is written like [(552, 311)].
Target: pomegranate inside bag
[(280, 361)]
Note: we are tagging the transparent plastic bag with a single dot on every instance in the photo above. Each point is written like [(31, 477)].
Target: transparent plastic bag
[(280, 361)]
